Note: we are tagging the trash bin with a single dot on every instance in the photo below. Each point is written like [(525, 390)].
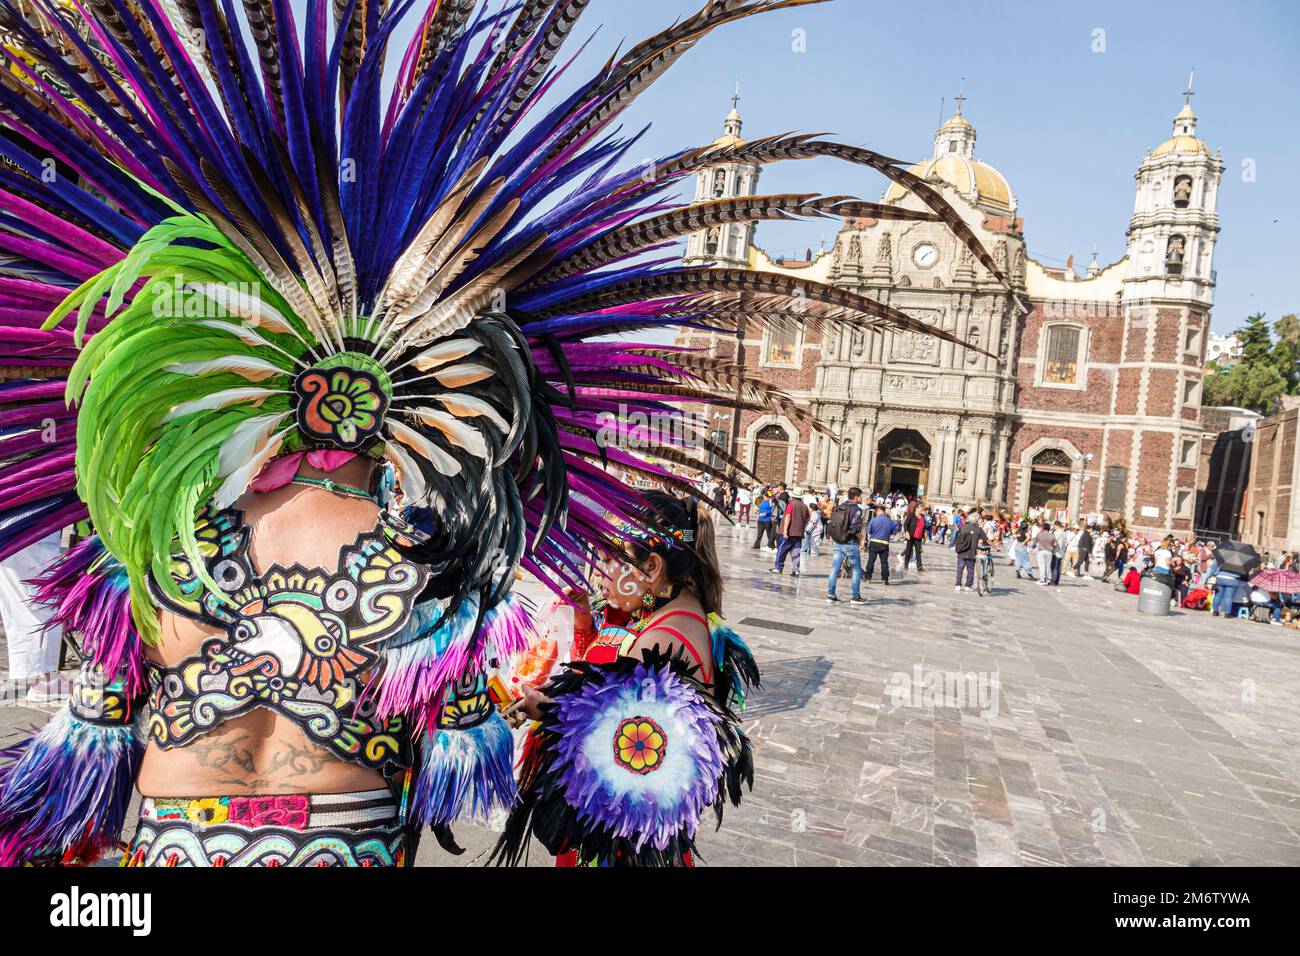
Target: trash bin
[(1155, 595)]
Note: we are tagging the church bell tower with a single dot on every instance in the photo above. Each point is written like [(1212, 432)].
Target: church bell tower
[(728, 245), (1175, 223)]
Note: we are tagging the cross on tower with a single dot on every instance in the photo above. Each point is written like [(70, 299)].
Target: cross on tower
[(735, 100), (961, 95), (1187, 93)]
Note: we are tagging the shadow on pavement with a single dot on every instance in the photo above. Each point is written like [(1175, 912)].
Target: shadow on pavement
[(787, 685)]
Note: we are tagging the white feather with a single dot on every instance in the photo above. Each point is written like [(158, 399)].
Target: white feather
[(467, 406), (246, 307), (253, 369), (245, 333), (458, 432), (237, 481), (221, 399), (444, 352), (409, 475), (458, 376), (412, 439), (247, 436)]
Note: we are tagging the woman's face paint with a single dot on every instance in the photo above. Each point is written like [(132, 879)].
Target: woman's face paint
[(624, 584)]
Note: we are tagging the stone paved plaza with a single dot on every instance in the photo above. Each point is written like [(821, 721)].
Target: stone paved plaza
[(1036, 726)]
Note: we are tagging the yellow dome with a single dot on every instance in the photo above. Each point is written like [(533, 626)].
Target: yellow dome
[(1180, 144), (731, 126), (977, 181)]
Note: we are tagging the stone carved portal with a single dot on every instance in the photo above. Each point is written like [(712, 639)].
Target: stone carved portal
[(902, 462)]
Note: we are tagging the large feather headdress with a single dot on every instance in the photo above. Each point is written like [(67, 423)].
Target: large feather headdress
[(246, 230)]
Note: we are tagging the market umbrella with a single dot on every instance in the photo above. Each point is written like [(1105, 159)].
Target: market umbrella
[(1277, 581), (1237, 557)]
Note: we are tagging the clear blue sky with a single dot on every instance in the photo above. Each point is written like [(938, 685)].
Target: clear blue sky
[(1067, 126)]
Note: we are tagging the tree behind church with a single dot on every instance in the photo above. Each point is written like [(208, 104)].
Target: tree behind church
[(1267, 370)]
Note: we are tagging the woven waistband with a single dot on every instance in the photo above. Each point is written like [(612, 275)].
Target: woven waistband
[(361, 809)]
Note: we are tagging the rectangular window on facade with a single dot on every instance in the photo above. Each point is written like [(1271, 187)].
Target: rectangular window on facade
[(1061, 361), (721, 440), (1188, 458), (781, 346), (1116, 483), (1189, 391), (1183, 504)]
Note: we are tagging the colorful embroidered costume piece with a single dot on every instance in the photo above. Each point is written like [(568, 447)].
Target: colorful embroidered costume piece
[(266, 229)]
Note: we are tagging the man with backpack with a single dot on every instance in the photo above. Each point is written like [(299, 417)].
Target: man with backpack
[(845, 529), (794, 523), (967, 543)]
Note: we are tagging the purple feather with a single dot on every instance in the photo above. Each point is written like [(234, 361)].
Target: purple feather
[(88, 591)]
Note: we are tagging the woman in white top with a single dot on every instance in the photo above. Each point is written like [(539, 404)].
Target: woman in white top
[(744, 498)]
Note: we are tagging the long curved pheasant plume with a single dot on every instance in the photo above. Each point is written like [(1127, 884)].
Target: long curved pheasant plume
[(260, 226)]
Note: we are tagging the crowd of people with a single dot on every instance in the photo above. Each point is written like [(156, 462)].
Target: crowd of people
[(1041, 545)]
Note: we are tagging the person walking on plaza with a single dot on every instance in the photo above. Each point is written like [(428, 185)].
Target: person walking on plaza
[(793, 525), (1109, 554), (1121, 557), (765, 522), (914, 532), (879, 530), (1058, 551), (845, 531), (744, 498), (780, 498), (812, 537), (1084, 547), (1020, 552), (721, 498), (1044, 546), (966, 544)]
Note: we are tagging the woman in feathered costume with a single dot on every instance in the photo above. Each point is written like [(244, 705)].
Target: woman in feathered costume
[(261, 264)]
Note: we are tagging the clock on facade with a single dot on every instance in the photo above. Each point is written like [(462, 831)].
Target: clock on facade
[(925, 255)]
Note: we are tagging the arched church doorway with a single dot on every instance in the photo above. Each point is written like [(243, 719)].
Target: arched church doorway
[(771, 454), (902, 463), (1049, 479)]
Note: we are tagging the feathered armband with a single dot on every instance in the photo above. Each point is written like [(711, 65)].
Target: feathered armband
[(64, 797)]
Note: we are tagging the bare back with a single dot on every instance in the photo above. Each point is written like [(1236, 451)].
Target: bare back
[(261, 751)]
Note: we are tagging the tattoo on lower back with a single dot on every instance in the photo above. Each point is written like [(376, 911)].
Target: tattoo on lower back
[(235, 760)]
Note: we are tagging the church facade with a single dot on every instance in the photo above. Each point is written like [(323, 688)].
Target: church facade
[(1092, 403)]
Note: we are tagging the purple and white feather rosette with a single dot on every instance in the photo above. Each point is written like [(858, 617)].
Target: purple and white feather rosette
[(638, 755)]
